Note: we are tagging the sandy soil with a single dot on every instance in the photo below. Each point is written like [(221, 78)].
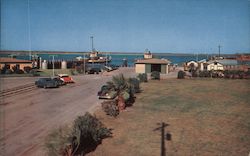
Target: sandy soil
[(26, 119)]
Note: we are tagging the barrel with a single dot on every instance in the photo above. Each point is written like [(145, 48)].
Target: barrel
[(44, 64), (64, 65)]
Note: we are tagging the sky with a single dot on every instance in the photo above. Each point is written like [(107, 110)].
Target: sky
[(174, 26)]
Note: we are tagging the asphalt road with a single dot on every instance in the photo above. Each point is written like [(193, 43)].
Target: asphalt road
[(27, 118)]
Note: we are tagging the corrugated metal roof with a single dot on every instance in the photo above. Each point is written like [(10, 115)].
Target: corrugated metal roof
[(13, 60), (153, 61)]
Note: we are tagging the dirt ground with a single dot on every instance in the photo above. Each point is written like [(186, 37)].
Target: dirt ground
[(26, 119), (206, 117)]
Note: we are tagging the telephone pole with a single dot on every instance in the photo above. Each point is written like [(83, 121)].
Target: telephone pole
[(219, 49)]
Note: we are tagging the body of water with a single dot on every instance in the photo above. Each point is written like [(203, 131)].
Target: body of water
[(117, 59)]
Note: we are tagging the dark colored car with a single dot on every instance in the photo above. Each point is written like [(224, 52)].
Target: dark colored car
[(46, 83), (106, 93), (93, 70)]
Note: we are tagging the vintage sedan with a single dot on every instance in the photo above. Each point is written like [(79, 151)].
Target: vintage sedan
[(66, 78), (46, 83)]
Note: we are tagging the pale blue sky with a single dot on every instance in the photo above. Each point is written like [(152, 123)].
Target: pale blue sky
[(127, 25)]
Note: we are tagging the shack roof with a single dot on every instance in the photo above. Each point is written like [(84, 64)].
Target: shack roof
[(225, 62), (13, 60), (153, 61)]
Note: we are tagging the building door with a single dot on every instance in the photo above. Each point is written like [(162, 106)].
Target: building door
[(155, 67)]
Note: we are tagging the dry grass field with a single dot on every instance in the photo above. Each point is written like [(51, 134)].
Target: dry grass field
[(205, 116)]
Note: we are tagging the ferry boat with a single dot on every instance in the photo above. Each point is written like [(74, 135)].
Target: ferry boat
[(95, 57)]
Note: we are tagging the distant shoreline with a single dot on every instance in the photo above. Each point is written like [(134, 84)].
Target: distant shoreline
[(21, 52)]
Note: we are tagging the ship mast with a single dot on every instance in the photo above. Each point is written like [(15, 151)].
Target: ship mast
[(92, 42)]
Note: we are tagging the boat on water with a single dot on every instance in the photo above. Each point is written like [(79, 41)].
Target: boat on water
[(95, 57)]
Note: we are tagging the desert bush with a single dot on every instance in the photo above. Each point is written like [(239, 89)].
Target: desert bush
[(27, 69), (87, 132), (204, 73), (19, 71), (155, 75), (143, 77), (110, 107), (34, 72), (194, 73), (181, 75), (8, 71), (134, 85)]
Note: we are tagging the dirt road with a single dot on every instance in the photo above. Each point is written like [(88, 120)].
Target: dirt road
[(27, 118)]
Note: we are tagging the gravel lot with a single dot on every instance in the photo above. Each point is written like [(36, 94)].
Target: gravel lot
[(27, 118)]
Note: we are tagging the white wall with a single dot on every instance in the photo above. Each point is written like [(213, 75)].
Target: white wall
[(213, 66), (140, 68)]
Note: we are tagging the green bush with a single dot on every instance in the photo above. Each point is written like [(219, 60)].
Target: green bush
[(205, 73), (134, 85), (8, 71), (87, 132), (143, 77), (34, 72), (27, 69), (110, 108), (19, 71), (181, 75), (155, 75)]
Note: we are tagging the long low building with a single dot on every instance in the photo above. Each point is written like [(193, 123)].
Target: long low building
[(153, 64), (9, 63)]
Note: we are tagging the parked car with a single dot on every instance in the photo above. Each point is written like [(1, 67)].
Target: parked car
[(66, 78), (93, 70), (46, 83), (106, 93), (59, 81)]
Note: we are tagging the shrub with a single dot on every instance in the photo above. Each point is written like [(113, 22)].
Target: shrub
[(34, 72), (110, 108), (134, 85), (87, 132), (204, 73), (194, 73), (19, 71), (155, 75), (143, 77), (181, 75), (8, 71), (27, 69)]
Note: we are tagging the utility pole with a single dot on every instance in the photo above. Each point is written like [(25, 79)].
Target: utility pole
[(53, 65), (30, 57), (84, 63), (53, 59), (168, 137), (219, 49)]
